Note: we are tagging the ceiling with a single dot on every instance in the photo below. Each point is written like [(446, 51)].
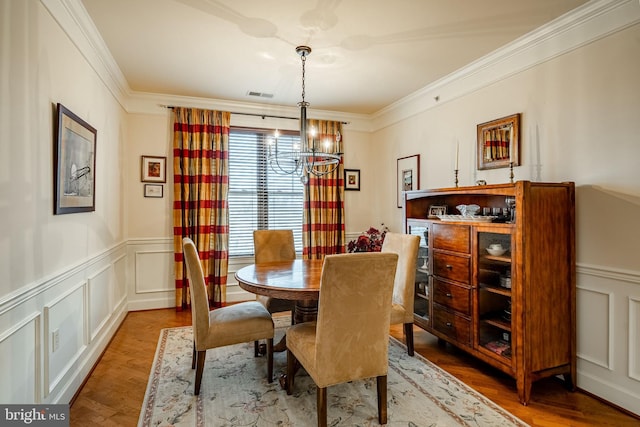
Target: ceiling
[(366, 54)]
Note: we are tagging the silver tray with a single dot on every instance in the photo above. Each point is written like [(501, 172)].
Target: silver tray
[(466, 218)]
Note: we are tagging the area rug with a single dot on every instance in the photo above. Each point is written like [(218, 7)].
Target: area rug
[(235, 392)]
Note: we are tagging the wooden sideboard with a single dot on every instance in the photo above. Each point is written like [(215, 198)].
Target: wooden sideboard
[(515, 311)]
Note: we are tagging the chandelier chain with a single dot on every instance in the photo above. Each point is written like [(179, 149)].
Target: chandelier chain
[(304, 60)]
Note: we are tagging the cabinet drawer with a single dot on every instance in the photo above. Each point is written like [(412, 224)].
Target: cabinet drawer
[(453, 326), (451, 237), (452, 267), (455, 297)]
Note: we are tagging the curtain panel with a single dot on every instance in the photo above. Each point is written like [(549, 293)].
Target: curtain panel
[(200, 208), (323, 218)]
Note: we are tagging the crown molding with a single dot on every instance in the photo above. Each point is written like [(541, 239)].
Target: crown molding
[(592, 21)]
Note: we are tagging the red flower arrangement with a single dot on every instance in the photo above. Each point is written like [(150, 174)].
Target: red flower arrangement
[(369, 241)]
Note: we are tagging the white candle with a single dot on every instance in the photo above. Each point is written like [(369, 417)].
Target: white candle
[(457, 152)]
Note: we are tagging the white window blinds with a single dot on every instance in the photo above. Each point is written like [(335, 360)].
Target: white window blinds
[(258, 197)]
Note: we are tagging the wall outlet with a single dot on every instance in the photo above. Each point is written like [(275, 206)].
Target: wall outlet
[(55, 340)]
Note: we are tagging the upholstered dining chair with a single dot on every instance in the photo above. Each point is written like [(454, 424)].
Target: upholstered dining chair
[(406, 246), (272, 246), (233, 324), (350, 339)]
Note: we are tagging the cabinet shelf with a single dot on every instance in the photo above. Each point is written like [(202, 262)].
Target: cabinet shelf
[(506, 258), (496, 290), (498, 322), (499, 348)]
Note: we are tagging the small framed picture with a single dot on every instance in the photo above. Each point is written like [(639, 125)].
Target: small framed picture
[(435, 210), (153, 190), (408, 176), (154, 169), (352, 179)]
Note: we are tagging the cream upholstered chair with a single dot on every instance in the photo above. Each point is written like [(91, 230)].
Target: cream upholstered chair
[(406, 246), (272, 246), (350, 339), (233, 324)]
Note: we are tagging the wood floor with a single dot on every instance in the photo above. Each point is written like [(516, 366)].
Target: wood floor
[(113, 394)]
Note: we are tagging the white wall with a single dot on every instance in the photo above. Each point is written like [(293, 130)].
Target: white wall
[(63, 273), (579, 123)]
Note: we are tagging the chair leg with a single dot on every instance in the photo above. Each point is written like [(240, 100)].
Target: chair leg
[(408, 333), (256, 346), (291, 362), (193, 356), (270, 360), (321, 403), (382, 398), (199, 370)]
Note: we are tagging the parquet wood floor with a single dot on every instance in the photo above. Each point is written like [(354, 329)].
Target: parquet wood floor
[(113, 393)]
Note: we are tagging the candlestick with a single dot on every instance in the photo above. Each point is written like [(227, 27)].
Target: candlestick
[(455, 172), (511, 172)]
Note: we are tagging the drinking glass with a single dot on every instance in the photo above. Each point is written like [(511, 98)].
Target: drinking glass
[(511, 204)]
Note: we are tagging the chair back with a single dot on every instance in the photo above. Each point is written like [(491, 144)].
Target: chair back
[(352, 332), (273, 246), (406, 246), (197, 290)]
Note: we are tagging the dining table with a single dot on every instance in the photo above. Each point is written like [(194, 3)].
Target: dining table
[(297, 280)]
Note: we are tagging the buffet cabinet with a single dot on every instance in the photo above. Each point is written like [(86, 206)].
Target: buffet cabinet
[(513, 308)]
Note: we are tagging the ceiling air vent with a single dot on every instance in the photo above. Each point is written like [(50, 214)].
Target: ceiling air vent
[(260, 94)]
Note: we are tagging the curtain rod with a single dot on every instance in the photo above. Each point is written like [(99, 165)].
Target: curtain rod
[(171, 107)]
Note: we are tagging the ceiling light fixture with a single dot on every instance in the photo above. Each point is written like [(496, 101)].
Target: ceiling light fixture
[(315, 157)]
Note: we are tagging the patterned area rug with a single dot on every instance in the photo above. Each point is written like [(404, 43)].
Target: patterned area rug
[(235, 392)]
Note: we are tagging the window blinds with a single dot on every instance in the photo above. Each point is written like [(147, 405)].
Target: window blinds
[(259, 198)]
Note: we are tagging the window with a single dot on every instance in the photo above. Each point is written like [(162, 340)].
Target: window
[(258, 197)]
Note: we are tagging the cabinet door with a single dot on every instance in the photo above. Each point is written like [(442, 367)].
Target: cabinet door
[(422, 295), (494, 301)]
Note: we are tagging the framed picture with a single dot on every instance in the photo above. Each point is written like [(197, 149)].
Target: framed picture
[(153, 190), (352, 179), (408, 175), (499, 143), (154, 169), (434, 211), (74, 164)]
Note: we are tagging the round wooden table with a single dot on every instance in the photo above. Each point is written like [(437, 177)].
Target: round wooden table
[(297, 280)]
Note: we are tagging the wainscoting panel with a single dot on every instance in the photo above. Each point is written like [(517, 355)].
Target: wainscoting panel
[(65, 334), (100, 301), (608, 306), (53, 331), (151, 274), (120, 278), (634, 338), (595, 342), (20, 371)]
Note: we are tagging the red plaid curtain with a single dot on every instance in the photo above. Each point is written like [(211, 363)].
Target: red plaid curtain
[(323, 221), (200, 209)]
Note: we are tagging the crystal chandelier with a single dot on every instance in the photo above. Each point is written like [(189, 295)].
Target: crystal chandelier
[(305, 158)]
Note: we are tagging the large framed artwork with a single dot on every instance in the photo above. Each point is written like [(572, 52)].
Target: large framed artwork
[(499, 143), (74, 164), (408, 175)]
